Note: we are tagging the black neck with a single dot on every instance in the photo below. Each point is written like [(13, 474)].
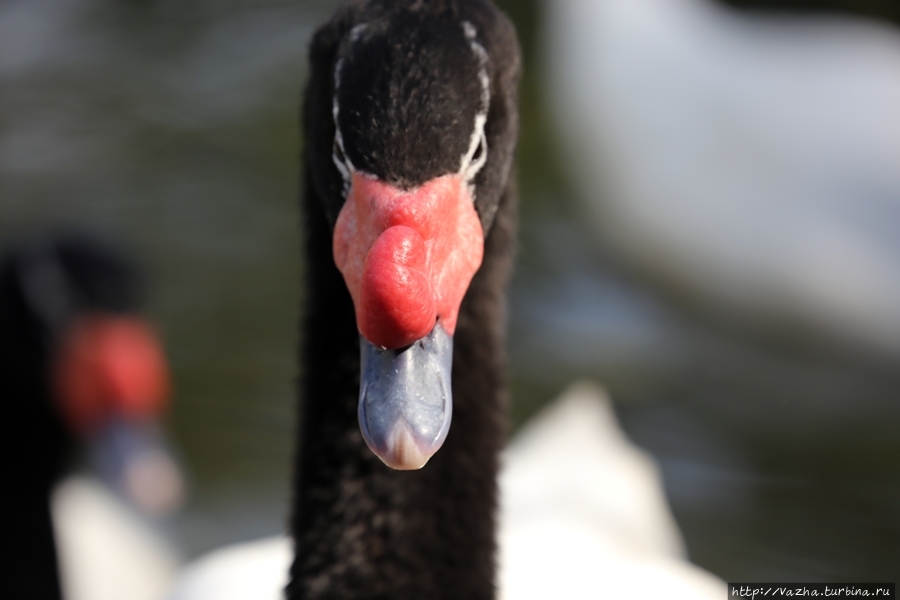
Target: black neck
[(27, 548), (361, 529), (31, 447)]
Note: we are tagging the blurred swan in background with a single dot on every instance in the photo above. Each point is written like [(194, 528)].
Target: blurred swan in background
[(583, 515), (81, 370), (752, 162)]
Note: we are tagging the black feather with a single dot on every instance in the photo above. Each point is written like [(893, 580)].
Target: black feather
[(361, 529)]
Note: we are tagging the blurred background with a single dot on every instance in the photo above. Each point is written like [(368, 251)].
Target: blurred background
[(710, 227)]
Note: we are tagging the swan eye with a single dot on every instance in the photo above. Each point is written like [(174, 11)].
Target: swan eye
[(474, 159), (337, 153), (478, 151), (340, 161)]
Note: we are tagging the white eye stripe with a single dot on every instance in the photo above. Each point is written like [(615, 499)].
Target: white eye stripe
[(470, 32), (357, 31), (469, 168), (342, 162), (339, 153)]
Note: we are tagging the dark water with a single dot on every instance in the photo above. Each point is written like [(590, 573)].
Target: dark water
[(172, 126)]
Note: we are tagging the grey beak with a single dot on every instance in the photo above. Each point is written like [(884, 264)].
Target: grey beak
[(134, 458), (405, 402)]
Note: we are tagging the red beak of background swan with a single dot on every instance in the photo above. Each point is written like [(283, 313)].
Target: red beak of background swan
[(107, 367), (407, 257), (111, 381)]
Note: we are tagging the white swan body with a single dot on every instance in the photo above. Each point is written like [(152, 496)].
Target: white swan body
[(256, 570), (583, 516), (754, 161), (106, 551)]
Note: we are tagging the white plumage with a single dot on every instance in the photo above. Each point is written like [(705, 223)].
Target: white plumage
[(106, 550), (583, 516)]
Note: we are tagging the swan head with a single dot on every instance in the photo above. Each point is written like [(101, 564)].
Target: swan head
[(105, 377), (410, 164)]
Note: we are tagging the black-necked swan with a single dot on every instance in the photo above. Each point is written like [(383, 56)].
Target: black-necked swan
[(79, 367), (410, 124)]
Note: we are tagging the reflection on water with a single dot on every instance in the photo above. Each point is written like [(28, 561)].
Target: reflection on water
[(173, 126)]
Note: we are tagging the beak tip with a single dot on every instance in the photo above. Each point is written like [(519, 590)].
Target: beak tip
[(154, 483), (402, 452)]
